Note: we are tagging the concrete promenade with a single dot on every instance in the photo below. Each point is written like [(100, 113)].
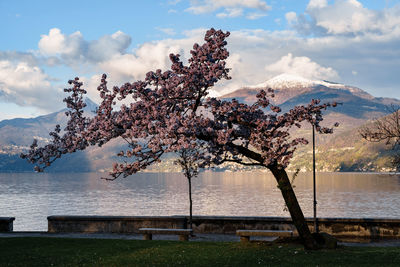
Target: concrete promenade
[(197, 238), (373, 228)]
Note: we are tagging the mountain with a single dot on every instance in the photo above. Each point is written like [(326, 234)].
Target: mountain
[(356, 107), (342, 151), (16, 135), (20, 132)]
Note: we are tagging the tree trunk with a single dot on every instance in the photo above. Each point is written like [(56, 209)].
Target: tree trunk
[(293, 207), (190, 203)]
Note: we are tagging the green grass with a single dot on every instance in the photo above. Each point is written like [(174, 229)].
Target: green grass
[(108, 252)]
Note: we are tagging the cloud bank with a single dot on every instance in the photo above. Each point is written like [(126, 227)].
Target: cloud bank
[(302, 66), (340, 41), (346, 17), (27, 85), (72, 48)]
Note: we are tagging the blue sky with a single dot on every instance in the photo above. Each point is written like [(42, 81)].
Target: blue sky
[(45, 43)]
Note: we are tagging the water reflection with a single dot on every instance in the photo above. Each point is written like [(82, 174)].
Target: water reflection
[(31, 197)]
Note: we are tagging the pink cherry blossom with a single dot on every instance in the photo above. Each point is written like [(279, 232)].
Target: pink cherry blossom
[(170, 111)]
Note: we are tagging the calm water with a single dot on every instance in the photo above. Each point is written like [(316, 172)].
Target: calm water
[(32, 197)]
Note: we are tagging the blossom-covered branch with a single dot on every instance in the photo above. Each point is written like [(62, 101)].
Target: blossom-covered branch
[(169, 111)]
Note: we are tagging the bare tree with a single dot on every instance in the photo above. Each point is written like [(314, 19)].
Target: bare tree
[(189, 162), (386, 129)]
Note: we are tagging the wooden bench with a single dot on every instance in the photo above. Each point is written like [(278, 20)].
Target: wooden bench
[(149, 232), (245, 234)]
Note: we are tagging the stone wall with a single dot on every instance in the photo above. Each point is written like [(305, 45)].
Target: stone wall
[(339, 227), (6, 224), (111, 224), (366, 227)]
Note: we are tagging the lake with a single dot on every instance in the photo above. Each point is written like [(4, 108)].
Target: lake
[(31, 197)]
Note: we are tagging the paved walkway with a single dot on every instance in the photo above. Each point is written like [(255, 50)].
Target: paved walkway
[(196, 238)]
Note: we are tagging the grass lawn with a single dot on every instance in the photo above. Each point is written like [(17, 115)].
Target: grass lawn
[(30, 251)]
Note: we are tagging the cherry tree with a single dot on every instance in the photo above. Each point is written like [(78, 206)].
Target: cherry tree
[(170, 111)]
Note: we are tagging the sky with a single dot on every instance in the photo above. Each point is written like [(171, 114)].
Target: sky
[(46, 43)]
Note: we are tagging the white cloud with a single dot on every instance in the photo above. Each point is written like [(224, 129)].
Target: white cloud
[(230, 8), (73, 48), (127, 67), (108, 46), (346, 17), (231, 13), (56, 43), (52, 44), (291, 17), (149, 56), (27, 85), (317, 4), (301, 66)]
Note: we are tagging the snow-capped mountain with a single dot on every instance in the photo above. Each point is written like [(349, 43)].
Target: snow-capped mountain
[(290, 81), (287, 81), (287, 86), (291, 90)]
